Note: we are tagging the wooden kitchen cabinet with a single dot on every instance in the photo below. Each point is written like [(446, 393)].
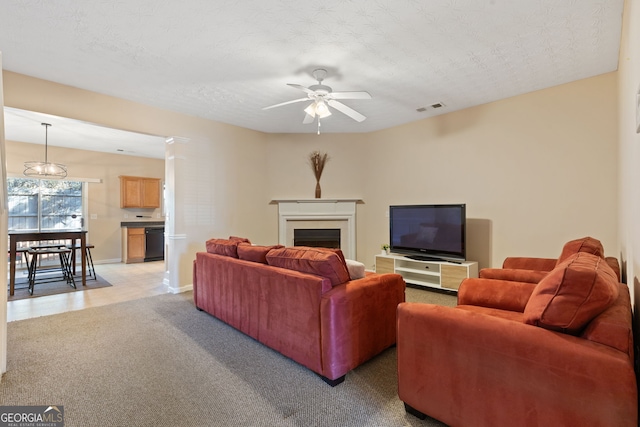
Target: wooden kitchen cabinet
[(135, 247), (139, 192)]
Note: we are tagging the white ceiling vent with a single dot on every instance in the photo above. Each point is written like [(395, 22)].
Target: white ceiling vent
[(434, 106)]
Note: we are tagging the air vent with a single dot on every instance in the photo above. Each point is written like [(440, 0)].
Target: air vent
[(431, 107)]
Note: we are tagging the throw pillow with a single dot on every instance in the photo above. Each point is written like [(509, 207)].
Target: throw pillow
[(239, 239), (255, 253), (223, 247), (585, 244), (318, 261), (572, 294), (355, 268)]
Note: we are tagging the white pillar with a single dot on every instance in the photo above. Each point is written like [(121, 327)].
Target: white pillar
[(175, 226)]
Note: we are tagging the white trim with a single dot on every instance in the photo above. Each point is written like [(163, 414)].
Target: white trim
[(176, 236), (278, 201), (177, 139), (181, 289), (319, 210), (85, 210)]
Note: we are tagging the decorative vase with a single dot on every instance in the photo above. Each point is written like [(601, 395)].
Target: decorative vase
[(318, 190)]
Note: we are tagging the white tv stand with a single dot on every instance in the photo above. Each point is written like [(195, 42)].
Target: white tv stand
[(432, 274)]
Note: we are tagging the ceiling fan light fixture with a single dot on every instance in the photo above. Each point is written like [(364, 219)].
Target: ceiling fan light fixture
[(311, 110), (322, 110), (46, 169), (318, 108)]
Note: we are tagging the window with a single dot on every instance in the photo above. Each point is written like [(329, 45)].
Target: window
[(44, 205)]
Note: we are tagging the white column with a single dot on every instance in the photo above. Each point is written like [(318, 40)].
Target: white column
[(175, 226)]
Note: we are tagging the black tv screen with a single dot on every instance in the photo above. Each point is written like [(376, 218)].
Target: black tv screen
[(428, 232)]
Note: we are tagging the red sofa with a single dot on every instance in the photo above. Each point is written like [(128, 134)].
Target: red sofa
[(556, 353), (300, 302)]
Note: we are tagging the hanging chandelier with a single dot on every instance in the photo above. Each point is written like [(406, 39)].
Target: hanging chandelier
[(45, 170)]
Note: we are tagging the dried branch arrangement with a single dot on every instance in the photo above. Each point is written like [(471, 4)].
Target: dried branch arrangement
[(317, 160)]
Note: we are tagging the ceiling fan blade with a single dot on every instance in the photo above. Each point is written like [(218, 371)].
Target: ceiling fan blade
[(346, 110), (302, 88), (308, 118), (350, 95), (286, 103)]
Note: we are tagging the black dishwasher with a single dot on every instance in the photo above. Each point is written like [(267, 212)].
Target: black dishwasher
[(154, 237)]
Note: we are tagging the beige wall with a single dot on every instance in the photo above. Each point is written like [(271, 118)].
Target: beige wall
[(535, 171), (629, 87), (222, 190), (291, 176), (103, 196)]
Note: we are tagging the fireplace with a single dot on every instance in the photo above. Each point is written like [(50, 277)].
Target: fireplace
[(317, 237), (319, 214)]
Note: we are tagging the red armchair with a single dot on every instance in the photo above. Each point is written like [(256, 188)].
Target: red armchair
[(557, 353)]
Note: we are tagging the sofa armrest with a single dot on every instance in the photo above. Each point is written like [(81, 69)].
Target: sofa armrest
[(513, 274), (615, 266), (466, 368), (358, 321), (528, 263), (501, 294)]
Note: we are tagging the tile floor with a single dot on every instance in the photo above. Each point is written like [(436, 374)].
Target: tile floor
[(130, 281)]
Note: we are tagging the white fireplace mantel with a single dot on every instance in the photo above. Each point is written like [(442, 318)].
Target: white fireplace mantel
[(312, 213)]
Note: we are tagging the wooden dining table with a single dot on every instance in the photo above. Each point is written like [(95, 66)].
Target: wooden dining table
[(38, 236)]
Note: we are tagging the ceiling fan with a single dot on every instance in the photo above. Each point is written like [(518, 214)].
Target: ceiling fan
[(322, 97)]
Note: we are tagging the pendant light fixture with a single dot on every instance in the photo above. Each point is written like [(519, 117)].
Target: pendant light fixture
[(45, 170)]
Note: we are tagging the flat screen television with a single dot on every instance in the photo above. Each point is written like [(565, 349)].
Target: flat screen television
[(428, 232)]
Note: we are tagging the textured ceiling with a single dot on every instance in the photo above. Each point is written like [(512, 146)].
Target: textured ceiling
[(227, 59)]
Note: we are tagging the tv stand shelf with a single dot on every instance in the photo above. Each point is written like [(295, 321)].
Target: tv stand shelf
[(432, 274)]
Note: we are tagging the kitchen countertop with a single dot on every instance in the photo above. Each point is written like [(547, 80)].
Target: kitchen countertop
[(142, 224)]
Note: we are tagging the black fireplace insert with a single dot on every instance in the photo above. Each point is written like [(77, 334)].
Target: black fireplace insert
[(317, 237)]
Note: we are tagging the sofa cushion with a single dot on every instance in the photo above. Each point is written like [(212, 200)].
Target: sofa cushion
[(572, 294), (585, 244), (318, 261), (337, 252), (239, 239), (255, 253), (355, 269), (225, 247)]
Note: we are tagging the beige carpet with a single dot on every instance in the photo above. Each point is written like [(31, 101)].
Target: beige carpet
[(41, 289), (160, 362)]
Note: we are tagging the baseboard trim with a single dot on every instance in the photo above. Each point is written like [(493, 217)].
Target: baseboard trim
[(179, 290)]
